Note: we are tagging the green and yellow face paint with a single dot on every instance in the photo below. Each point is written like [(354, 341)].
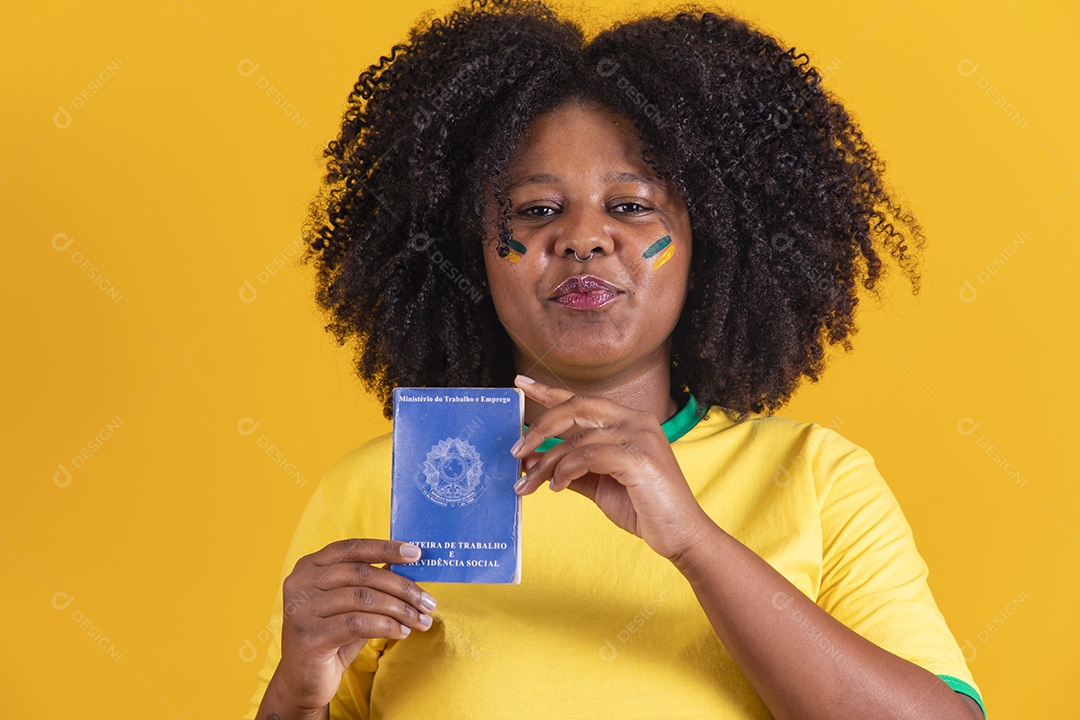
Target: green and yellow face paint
[(661, 251), (516, 251)]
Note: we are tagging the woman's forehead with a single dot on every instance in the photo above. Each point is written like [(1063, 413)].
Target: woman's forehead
[(580, 137)]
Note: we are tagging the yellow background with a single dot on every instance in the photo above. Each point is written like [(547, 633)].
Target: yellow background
[(181, 182)]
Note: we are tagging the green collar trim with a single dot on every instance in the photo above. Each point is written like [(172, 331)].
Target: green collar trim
[(960, 686), (674, 427)]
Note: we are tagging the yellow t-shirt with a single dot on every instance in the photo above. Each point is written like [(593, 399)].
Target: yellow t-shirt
[(601, 626)]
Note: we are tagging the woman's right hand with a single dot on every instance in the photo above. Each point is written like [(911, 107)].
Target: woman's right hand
[(334, 601)]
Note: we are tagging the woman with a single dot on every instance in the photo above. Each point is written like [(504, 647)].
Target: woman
[(654, 235)]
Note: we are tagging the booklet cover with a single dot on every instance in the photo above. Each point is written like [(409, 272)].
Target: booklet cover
[(452, 487)]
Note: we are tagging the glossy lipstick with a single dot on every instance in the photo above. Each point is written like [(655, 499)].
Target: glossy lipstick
[(584, 292)]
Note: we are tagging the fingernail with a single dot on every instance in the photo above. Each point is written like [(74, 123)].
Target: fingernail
[(427, 601), (425, 620), (410, 551), (517, 445), (525, 379), (520, 483), (405, 630)]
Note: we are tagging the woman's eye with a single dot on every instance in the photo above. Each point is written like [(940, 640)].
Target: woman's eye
[(536, 211), (631, 208)]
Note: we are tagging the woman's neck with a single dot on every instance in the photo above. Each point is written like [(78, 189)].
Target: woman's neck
[(646, 387)]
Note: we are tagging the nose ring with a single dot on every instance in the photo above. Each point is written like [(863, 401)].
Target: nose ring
[(580, 259)]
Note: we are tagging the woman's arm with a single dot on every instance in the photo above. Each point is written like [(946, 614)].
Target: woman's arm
[(801, 661)]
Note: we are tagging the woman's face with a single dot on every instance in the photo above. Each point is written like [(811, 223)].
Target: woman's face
[(578, 184)]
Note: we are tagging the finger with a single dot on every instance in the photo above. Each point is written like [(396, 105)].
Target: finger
[(577, 413), (539, 467), (540, 470), (348, 628), (381, 579), (586, 485), (638, 446), (365, 550), (347, 653), (543, 394), (370, 601), (529, 461), (546, 395), (598, 459)]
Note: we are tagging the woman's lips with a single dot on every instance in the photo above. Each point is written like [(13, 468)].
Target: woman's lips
[(584, 292)]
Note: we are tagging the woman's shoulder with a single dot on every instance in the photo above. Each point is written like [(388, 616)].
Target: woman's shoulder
[(810, 434), (819, 449), (363, 468), (374, 449)]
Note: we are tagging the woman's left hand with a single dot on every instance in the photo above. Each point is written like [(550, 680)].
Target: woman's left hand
[(617, 457)]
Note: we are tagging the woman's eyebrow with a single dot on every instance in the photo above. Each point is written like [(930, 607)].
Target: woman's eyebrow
[(612, 177), (541, 179), (629, 177)]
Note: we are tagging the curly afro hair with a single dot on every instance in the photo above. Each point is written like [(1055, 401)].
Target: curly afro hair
[(787, 204)]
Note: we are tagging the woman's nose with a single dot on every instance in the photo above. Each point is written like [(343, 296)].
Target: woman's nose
[(587, 233)]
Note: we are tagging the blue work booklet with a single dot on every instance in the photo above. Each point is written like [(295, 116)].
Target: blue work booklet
[(452, 487)]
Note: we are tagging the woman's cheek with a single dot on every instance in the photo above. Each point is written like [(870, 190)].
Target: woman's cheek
[(659, 253), (517, 252)]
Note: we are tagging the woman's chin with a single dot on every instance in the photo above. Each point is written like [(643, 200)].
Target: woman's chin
[(589, 361)]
